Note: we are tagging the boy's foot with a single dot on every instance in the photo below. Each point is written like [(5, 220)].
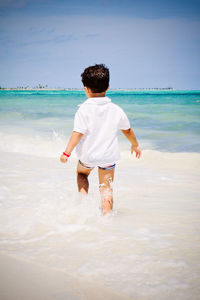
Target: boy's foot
[(107, 204)]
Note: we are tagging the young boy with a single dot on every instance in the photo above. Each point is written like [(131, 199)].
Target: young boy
[(95, 135)]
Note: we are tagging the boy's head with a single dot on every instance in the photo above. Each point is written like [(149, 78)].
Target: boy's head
[(96, 78)]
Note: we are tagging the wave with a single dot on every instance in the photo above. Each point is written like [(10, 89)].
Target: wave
[(41, 92), (52, 145), (38, 145)]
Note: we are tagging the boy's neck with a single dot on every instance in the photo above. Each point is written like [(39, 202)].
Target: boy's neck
[(93, 95), (90, 94)]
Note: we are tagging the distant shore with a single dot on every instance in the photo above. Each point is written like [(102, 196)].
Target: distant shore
[(112, 89), (79, 89)]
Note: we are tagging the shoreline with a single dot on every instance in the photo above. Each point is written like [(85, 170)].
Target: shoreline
[(23, 279)]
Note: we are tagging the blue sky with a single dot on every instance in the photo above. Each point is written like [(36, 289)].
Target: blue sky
[(144, 43)]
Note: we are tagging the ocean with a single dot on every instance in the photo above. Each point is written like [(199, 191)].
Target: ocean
[(162, 120), (149, 247)]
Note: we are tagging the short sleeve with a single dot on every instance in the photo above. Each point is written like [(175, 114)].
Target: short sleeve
[(124, 123), (80, 122)]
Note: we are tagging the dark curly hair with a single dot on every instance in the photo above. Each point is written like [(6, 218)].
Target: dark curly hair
[(96, 78)]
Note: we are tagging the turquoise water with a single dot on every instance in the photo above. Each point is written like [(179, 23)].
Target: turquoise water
[(162, 120)]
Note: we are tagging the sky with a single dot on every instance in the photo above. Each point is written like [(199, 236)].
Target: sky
[(144, 43)]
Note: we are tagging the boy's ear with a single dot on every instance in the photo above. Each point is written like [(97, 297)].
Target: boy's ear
[(87, 89)]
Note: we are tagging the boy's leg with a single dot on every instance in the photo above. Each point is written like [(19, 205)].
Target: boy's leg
[(82, 178), (105, 179)]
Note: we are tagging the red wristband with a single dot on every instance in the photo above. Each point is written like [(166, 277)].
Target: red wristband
[(68, 155)]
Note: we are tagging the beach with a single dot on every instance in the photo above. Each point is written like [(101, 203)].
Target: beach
[(25, 280), (55, 244)]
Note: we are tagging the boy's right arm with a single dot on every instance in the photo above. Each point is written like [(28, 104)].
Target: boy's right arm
[(74, 140), (129, 134)]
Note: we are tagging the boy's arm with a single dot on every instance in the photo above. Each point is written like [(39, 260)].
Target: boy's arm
[(129, 134), (74, 140)]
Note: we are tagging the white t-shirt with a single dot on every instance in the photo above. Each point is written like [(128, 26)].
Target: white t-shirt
[(99, 120)]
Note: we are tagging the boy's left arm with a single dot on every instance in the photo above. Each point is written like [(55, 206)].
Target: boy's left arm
[(74, 140), (129, 134)]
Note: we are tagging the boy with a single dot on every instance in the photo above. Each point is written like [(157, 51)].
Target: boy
[(95, 135)]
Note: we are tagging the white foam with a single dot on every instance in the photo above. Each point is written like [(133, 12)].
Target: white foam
[(145, 249), (37, 144)]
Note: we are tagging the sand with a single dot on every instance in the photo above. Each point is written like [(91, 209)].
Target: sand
[(24, 280)]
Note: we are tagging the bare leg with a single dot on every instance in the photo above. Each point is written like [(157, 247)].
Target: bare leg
[(82, 179), (105, 179)]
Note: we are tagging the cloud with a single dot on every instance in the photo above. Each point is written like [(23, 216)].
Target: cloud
[(143, 50), (13, 3), (120, 32)]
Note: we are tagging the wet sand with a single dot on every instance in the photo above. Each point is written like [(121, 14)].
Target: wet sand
[(25, 280), (55, 247)]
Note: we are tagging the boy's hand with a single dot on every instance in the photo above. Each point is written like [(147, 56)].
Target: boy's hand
[(63, 158), (137, 150)]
